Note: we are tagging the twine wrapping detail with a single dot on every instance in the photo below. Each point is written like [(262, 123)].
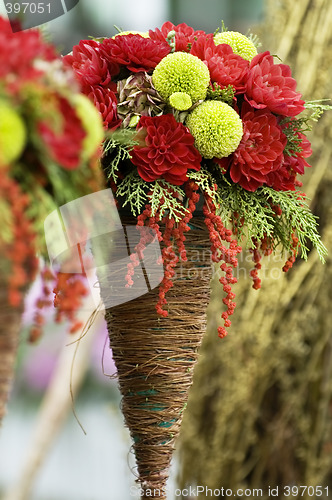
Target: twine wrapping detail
[(155, 357)]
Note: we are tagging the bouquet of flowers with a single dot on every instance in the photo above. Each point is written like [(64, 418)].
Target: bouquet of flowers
[(201, 129), (50, 136), (203, 116)]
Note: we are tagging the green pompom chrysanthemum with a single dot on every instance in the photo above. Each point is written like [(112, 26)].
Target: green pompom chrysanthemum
[(216, 127), (181, 72), (240, 44), (180, 101), (144, 34), (12, 134)]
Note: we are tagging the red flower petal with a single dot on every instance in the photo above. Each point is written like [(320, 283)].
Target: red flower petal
[(271, 85), (169, 150), (184, 35), (134, 51)]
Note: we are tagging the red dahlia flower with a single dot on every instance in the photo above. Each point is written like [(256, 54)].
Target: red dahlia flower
[(64, 147), (106, 102), (134, 51), (168, 152), (226, 68), (271, 86), (260, 151), (184, 35), (89, 64)]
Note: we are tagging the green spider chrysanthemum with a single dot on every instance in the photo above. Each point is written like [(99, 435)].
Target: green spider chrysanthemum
[(216, 127), (240, 44), (181, 72), (12, 134)]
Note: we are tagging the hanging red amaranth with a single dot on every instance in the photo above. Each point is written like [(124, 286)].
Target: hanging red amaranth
[(218, 233), (174, 233), (291, 259)]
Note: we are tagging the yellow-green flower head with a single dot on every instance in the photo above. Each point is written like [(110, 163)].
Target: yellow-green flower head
[(92, 124), (216, 127), (180, 101), (240, 44), (144, 34), (181, 72), (12, 134)]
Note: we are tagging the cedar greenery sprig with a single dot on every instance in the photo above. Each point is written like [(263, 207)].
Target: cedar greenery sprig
[(167, 199), (117, 146), (205, 181), (163, 197), (260, 219), (133, 190)]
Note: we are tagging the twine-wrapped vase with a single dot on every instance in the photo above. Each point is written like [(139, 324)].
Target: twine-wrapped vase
[(155, 357)]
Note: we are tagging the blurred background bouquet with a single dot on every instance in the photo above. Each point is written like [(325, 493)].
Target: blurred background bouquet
[(48, 153), (49, 146)]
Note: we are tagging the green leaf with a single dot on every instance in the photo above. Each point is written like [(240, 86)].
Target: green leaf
[(134, 191), (117, 150), (162, 198)]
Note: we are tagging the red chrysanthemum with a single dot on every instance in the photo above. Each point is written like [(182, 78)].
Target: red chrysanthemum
[(168, 151), (260, 151), (106, 102), (134, 51), (271, 86), (11, 60), (89, 65), (64, 146), (184, 35), (226, 68)]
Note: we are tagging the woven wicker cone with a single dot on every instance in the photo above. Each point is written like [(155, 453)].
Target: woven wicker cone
[(155, 358), (10, 320)]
